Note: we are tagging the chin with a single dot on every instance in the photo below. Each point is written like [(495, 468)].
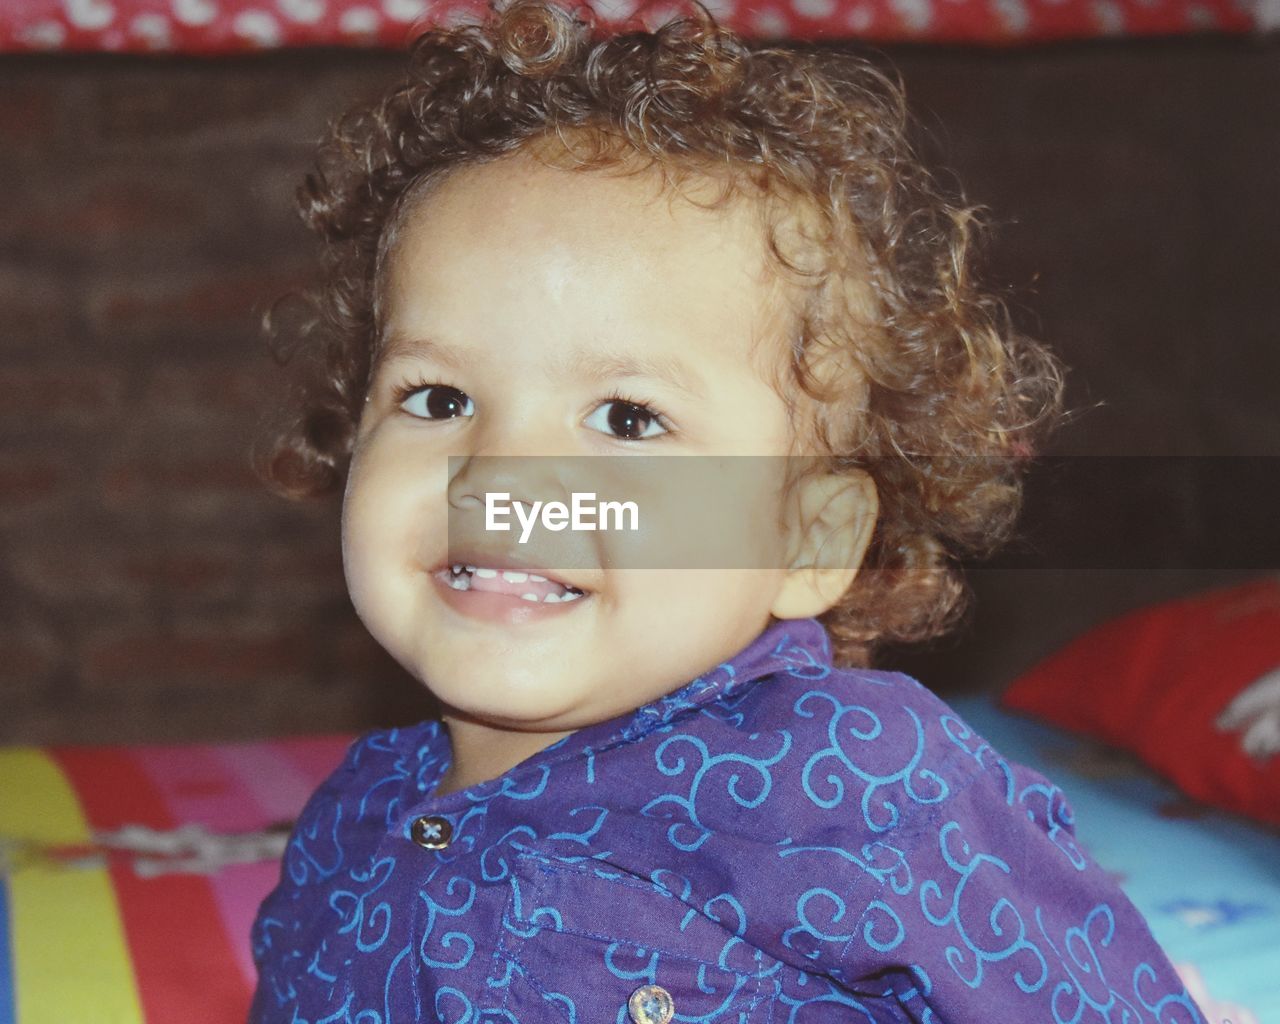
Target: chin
[(514, 708)]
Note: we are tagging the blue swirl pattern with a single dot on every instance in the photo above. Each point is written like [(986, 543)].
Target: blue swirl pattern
[(778, 842)]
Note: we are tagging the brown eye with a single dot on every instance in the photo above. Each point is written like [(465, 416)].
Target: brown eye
[(627, 420), (438, 402)]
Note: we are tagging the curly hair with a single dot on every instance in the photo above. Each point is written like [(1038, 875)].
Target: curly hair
[(933, 393)]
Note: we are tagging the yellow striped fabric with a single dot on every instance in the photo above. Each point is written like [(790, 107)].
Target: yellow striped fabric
[(68, 942)]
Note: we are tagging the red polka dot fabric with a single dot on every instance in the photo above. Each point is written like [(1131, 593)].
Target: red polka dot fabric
[(236, 26)]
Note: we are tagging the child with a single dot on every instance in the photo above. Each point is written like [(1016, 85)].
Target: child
[(653, 795)]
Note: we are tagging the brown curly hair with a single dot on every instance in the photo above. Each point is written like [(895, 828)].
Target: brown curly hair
[(934, 394)]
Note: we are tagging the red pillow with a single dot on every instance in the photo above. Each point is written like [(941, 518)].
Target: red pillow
[(1183, 685)]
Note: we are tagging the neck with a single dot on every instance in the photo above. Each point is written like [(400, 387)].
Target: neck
[(482, 751)]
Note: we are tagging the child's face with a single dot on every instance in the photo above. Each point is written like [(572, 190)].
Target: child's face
[(539, 293)]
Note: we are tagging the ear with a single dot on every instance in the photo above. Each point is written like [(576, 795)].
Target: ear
[(833, 519)]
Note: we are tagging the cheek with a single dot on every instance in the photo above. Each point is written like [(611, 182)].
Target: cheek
[(383, 525), (702, 513), (359, 531)]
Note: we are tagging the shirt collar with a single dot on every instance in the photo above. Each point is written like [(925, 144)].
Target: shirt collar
[(797, 646)]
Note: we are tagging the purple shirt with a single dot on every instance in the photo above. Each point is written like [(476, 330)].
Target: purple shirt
[(779, 842)]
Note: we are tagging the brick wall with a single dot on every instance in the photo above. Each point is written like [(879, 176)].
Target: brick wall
[(150, 588)]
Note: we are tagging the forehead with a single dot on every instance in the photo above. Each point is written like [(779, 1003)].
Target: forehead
[(598, 251), (626, 209)]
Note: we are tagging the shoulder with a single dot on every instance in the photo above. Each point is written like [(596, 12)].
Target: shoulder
[(884, 745), (354, 806), (810, 756), (878, 740), (847, 760), (338, 830)]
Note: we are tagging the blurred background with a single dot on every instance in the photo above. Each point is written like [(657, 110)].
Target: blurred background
[(151, 589)]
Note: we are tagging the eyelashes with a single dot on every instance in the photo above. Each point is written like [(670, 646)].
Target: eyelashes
[(626, 411), (439, 401)]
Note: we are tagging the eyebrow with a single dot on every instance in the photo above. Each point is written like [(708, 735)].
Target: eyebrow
[(598, 365), (628, 364), (400, 346)]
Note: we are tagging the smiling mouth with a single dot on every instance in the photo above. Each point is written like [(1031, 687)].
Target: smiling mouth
[(526, 586)]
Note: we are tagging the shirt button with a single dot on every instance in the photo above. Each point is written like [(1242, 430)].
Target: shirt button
[(431, 832), (651, 1004)]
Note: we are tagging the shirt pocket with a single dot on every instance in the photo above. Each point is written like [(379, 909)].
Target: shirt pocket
[(580, 940)]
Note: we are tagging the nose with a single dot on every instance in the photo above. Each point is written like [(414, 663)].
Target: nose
[(523, 478), (516, 459)]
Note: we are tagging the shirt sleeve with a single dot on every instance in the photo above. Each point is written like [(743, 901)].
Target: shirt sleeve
[(274, 939), (338, 829), (990, 910)]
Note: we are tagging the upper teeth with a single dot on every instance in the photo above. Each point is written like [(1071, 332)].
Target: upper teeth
[(510, 575), (462, 572)]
